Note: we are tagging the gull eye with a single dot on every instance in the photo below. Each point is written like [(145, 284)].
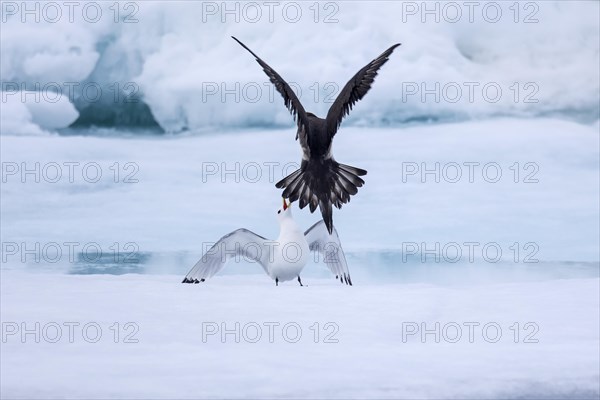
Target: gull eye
[(279, 212)]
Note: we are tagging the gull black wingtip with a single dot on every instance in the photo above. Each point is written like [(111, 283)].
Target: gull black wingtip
[(190, 280)]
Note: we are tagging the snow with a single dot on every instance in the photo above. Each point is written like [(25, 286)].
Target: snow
[(180, 59), (31, 113), (180, 204), (487, 217), (370, 359), (192, 190)]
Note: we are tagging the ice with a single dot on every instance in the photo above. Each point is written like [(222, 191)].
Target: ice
[(28, 113), (176, 208), (179, 59), (362, 353), (185, 195), (518, 175)]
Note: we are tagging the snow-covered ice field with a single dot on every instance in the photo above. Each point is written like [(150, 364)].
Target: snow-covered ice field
[(174, 208), (499, 181), (474, 246), (361, 354)]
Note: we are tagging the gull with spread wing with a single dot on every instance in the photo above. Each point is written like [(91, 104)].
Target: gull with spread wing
[(282, 259), (321, 181)]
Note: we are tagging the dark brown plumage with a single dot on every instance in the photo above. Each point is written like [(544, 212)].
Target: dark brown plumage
[(321, 181)]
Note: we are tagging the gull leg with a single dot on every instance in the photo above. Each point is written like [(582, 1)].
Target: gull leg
[(299, 281)]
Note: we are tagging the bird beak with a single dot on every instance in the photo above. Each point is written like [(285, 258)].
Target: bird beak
[(285, 206)]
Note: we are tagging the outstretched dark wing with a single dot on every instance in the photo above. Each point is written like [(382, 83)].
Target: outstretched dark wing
[(355, 89), (289, 97)]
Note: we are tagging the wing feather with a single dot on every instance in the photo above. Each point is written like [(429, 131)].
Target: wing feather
[(289, 97), (330, 248), (354, 90), (239, 243)]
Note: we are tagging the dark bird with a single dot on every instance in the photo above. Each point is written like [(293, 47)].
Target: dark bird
[(321, 181)]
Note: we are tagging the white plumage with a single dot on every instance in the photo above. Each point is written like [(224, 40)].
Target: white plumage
[(282, 259)]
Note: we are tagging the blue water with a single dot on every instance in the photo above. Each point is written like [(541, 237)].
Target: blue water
[(366, 267)]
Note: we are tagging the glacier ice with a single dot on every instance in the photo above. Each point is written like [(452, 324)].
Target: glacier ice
[(182, 66)]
